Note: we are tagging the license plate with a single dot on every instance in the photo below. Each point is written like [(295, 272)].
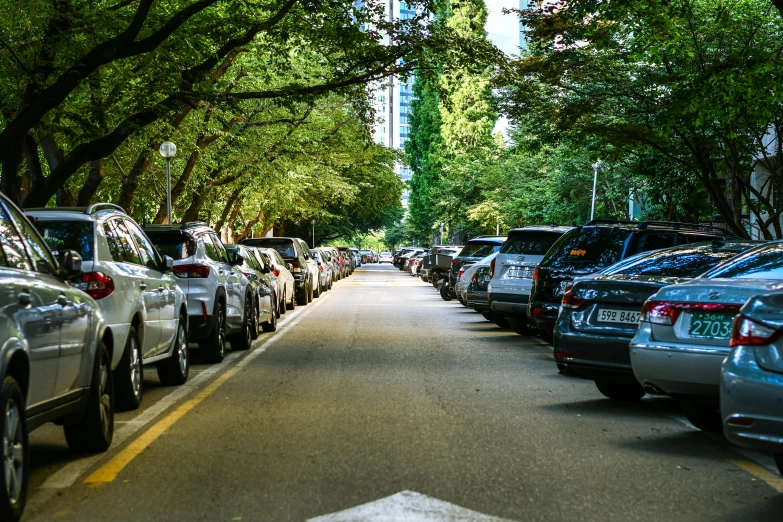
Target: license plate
[(606, 315), (520, 272), (709, 325)]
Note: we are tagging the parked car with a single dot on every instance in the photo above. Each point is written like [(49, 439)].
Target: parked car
[(263, 288), (599, 317), (405, 258), (474, 251), (144, 309), (511, 273), (465, 276), (324, 270), (429, 268), (476, 278), (286, 282), (334, 262), (349, 256), (55, 359), (367, 256), (684, 329), (296, 253), (751, 383), (385, 257), (590, 248), (398, 262), (219, 298)]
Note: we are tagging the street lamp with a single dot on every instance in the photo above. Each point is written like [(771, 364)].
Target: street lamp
[(168, 150), (597, 165), (313, 233)]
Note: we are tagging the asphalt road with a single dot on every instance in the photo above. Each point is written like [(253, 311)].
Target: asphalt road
[(381, 387)]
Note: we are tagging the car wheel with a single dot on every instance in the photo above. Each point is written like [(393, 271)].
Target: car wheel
[(93, 433), (317, 289), (283, 304), (310, 294), (445, 293), (16, 452), (271, 325), (292, 304), (518, 324), (779, 461), (620, 391), (546, 335), (487, 315), (242, 340), (500, 319), (301, 296), (704, 416), (174, 370), (462, 301), (255, 322), (214, 346), (129, 375)]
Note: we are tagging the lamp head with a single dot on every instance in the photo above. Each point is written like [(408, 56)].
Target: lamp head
[(168, 149)]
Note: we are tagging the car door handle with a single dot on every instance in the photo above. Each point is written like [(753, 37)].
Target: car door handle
[(143, 286), (25, 299), (62, 300)]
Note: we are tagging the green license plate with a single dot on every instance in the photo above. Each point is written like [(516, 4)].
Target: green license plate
[(709, 325)]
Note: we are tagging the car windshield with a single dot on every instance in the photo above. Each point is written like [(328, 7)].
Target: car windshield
[(678, 263), (479, 249), (588, 248), (284, 246), (176, 245), (765, 262), (530, 243), (69, 235)]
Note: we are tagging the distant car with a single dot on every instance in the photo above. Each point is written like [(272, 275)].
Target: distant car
[(476, 280), (474, 251), (262, 284), (296, 253), (284, 276), (368, 256), (324, 270), (55, 360), (590, 248), (684, 331), (144, 308), (751, 383), (599, 317), (385, 257), (220, 301), (511, 274)]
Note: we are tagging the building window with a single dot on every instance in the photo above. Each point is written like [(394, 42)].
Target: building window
[(403, 119)]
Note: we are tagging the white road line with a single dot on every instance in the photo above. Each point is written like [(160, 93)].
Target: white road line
[(70, 473)]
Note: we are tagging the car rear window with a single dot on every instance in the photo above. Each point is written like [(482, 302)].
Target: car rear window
[(680, 263), (530, 243), (588, 248), (285, 247), (69, 235), (479, 249), (176, 245), (761, 263)]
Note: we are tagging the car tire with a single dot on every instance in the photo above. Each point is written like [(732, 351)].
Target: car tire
[(94, 432), (255, 323), (283, 304), (301, 297), (487, 315), (704, 416), (310, 294), (620, 391), (129, 375), (445, 293), (500, 319), (462, 301), (546, 335), (779, 461), (271, 325), (174, 370), (518, 324), (292, 304), (214, 346), (317, 290), (242, 340), (16, 457)]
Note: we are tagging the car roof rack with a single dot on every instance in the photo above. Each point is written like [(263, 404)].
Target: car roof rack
[(643, 225), (95, 207)]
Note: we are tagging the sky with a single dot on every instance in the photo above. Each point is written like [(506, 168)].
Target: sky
[(503, 31)]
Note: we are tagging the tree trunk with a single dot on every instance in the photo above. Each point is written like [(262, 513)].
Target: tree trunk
[(34, 169), (227, 209), (10, 172), (91, 184)]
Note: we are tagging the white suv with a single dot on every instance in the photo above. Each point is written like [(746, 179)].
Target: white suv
[(145, 310), (219, 296)]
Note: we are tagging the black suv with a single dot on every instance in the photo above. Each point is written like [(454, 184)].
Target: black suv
[(474, 251), (592, 247), (295, 253)]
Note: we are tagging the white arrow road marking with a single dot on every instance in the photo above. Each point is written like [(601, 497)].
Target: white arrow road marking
[(407, 506)]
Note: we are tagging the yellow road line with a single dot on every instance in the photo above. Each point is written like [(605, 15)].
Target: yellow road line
[(109, 471), (772, 479)]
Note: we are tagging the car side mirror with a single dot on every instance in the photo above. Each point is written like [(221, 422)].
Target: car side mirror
[(237, 260), (319, 263), (168, 263), (289, 266), (70, 263)]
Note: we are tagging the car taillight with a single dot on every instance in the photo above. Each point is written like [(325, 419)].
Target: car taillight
[(95, 284), (746, 331), (535, 274), (321, 268), (572, 301), (191, 271), (276, 271), (454, 262), (461, 271), (492, 269), (667, 312)]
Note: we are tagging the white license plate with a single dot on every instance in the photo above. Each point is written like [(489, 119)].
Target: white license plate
[(521, 272), (606, 315)]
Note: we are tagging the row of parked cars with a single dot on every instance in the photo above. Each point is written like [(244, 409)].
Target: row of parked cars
[(91, 300), (661, 308)]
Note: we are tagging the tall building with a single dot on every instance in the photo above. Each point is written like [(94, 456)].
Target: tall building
[(393, 101)]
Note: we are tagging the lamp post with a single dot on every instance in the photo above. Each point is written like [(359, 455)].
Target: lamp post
[(168, 150), (313, 233), (597, 165)]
